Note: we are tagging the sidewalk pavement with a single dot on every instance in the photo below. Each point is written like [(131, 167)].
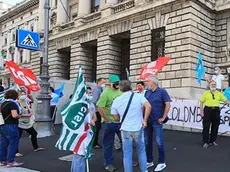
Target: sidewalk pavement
[(184, 153)]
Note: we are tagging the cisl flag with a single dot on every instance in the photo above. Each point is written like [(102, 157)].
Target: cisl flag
[(77, 135), (23, 77), (153, 68)]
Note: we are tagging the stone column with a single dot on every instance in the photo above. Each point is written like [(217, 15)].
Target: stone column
[(62, 9), (1, 44), (110, 2), (16, 56), (41, 15), (84, 7), (102, 4), (36, 24), (108, 55), (8, 56), (228, 33)]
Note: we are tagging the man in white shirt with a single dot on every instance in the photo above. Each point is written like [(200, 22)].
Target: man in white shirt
[(133, 124), (218, 78), (53, 103)]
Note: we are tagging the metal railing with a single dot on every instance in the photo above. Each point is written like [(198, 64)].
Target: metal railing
[(93, 16), (123, 6)]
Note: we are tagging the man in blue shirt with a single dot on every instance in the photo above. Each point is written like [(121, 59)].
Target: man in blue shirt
[(96, 94), (160, 103)]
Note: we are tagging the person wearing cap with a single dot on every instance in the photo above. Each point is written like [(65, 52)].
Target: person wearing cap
[(211, 114), (218, 78), (160, 103), (109, 125)]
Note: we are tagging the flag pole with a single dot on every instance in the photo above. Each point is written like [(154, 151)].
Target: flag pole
[(87, 165)]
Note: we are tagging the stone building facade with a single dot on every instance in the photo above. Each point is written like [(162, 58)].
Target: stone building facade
[(24, 16), (105, 37)]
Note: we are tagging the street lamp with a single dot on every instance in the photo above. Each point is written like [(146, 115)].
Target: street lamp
[(44, 124)]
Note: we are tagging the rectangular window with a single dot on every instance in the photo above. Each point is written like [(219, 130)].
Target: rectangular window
[(158, 43), (21, 56), (41, 63), (5, 41), (95, 5), (12, 56), (13, 37)]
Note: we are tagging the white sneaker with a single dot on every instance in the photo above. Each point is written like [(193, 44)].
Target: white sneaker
[(160, 167), (150, 164)]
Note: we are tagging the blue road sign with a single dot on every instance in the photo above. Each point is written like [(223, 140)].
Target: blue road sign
[(28, 40)]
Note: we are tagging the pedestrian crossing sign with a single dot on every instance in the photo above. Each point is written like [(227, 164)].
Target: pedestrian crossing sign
[(28, 40)]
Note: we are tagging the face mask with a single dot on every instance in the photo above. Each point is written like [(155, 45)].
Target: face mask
[(213, 89), (140, 89), (149, 88), (23, 97), (90, 98), (216, 72), (116, 86), (103, 86)]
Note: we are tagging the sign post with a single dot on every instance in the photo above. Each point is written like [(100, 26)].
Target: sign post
[(31, 41), (44, 123)]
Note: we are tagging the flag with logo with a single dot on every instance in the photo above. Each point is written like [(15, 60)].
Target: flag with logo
[(77, 134), (23, 77), (60, 90), (153, 68), (200, 68)]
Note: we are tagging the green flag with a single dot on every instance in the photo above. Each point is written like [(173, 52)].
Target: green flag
[(77, 134), (3, 56)]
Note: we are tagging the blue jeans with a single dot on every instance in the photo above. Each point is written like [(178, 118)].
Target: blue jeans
[(9, 136), (127, 144), (108, 134), (157, 129), (78, 163)]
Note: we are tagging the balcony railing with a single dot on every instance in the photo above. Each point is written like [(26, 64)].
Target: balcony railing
[(93, 16), (123, 6)]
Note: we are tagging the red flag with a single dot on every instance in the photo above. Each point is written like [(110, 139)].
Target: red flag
[(153, 68), (23, 77)]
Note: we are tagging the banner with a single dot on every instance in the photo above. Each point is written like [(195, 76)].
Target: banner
[(153, 68), (186, 113), (23, 77)]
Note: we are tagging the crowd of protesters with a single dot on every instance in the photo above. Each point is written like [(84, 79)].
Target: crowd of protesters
[(137, 116), (123, 117), (17, 117)]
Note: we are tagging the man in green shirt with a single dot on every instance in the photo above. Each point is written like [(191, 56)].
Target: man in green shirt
[(109, 125)]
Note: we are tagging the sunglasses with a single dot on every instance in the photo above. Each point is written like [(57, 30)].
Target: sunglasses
[(213, 97)]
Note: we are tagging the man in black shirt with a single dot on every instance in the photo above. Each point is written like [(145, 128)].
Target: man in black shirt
[(9, 136), (1, 87)]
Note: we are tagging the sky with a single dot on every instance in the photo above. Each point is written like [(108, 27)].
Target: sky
[(12, 2)]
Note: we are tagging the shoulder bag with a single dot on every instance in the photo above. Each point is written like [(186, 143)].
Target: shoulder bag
[(127, 108)]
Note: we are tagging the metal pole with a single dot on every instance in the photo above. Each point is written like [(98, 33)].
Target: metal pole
[(43, 122)]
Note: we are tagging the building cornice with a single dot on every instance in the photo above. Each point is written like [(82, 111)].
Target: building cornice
[(15, 11)]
